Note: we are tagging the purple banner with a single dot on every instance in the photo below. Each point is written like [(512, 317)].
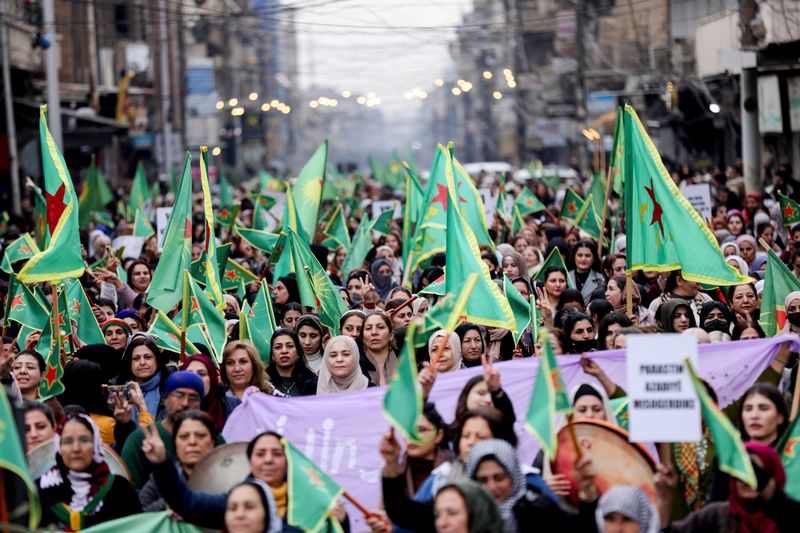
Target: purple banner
[(341, 432)]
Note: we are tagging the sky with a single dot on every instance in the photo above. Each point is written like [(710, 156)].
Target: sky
[(383, 46)]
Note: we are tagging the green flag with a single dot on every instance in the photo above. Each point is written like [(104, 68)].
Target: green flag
[(225, 190), (203, 314), (262, 203), (51, 385), (316, 288), (166, 288), (62, 257), (74, 300), (789, 209), (19, 250), (555, 259), (258, 239), (411, 208), (790, 456), (402, 403), (160, 522), (519, 306), (12, 458), (518, 222), (571, 205), (528, 203), (597, 193), (312, 493), (383, 222), (24, 308), (235, 274), (664, 232), (141, 226), (487, 306), (616, 162), (588, 220), (779, 281), (730, 452), (448, 312), (502, 208), (95, 195), (257, 322), (40, 230), (211, 278), (335, 230), (308, 191), (168, 335), (549, 398), (359, 248), (267, 182), (140, 192)]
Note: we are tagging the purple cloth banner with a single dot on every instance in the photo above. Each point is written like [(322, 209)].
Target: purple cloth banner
[(341, 432)]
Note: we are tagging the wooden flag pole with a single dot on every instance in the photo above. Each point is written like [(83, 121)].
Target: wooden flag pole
[(764, 245), (437, 355), (57, 332), (397, 309), (605, 215), (357, 505), (574, 438), (629, 294), (184, 314)]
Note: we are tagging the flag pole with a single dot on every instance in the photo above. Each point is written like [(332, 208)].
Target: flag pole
[(574, 438), (71, 334), (184, 314), (438, 354), (629, 294), (605, 215), (57, 333), (357, 505), (9, 297), (402, 305)]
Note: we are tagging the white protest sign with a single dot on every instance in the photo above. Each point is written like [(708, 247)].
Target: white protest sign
[(133, 246), (699, 196), (663, 404), (489, 202), (379, 206), (162, 218)]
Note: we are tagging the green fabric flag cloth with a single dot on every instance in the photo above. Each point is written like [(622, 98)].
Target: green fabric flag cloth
[(166, 288), (227, 216), (663, 231), (528, 203), (518, 222), (24, 308), (488, 306), (519, 306), (789, 448), (415, 195), (142, 226), (335, 230), (257, 322), (225, 190), (790, 210), (588, 219), (549, 398), (312, 493), (402, 403), (616, 161), (258, 239), (597, 194), (168, 335), (200, 312), (211, 277), (140, 192), (429, 238), (383, 222), (23, 248), (235, 274), (779, 281), (308, 191), (62, 257), (359, 247), (267, 182), (262, 203), (555, 259), (620, 408), (435, 287), (161, 522), (448, 312), (12, 458), (571, 205), (315, 286), (51, 385), (502, 207), (40, 229), (74, 300), (731, 453), (95, 195)]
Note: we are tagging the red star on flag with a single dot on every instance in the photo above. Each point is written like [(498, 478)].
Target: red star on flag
[(187, 228), (528, 201), (572, 207), (657, 211), (55, 207), (60, 319), (231, 275), (441, 197), (555, 381), (789, 449), (195, 304), (25, 249), (17, 301), (314, 478), (788, 211), (76, 306), (50, 376)]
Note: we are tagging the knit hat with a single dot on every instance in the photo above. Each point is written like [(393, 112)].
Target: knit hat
[(130, 313), (630, 502), (184, 380), (116, 322)]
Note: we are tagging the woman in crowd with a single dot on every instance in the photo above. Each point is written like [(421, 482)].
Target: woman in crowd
[(609, 326), (513, 264), (194, 436), (382, 277), (40, 424), (585, 277), (400, 318), (340, 371), (555, 281), (613, 265), (792, 306), (378, 359), (352, 323), (677, 316), (133, 319), (80, 491), (579, 331), (216, 403), (116, 333), (763, 416), (735, 222), (747, 248), (289, 315), (744, 301), (312, 340), (250, 508), (617, 297), (139, 276), (287, 368), (242, 368), (473, 343), (533, 261), (28, 369), (146, 365), (284, 291), (450, 356)]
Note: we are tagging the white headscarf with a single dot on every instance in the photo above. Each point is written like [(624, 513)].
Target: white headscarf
[(355, 380), (455, 347), (743, 268)]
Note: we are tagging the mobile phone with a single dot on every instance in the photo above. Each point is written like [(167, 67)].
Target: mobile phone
[(119, 389)]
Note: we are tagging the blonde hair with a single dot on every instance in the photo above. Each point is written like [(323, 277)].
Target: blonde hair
[(259, 378)]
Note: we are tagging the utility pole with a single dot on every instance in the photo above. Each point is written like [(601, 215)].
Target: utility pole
[(11, 126), (751, 137), (51, 56), (166, 125)]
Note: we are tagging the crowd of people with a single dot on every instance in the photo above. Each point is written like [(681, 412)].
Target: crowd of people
[(160, 415)]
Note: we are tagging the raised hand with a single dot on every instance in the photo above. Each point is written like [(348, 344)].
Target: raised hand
[(152, 446), (390, 450)]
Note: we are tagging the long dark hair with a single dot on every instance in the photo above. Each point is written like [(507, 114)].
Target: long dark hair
[(300, 370), (83, 386), (141, 339), (770, 392)]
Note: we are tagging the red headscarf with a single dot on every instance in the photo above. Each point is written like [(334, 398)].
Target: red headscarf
[(749, 513), (212, 404)]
